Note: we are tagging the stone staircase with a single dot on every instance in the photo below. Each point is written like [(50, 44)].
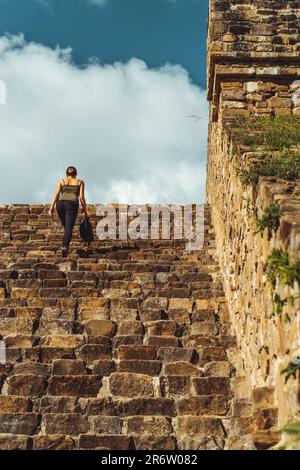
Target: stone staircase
[(122, 345)]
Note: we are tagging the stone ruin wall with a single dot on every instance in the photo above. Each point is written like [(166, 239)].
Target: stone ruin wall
[(253, 69)]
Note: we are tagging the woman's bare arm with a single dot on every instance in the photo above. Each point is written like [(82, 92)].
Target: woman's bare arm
[(82, 198), (55, 197)]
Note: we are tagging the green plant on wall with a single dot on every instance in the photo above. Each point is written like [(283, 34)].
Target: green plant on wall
[(269, 220), (278, 304), (290, 437), (292, 368), (270, 132), (283, 165), (292, 298), (279, 266)]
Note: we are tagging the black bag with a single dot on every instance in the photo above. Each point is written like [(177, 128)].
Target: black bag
[(86, 230)]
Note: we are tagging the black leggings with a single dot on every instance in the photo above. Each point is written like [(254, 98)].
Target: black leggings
[(67, 212)]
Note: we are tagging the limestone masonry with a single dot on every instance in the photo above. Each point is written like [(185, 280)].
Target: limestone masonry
[(253, 70)]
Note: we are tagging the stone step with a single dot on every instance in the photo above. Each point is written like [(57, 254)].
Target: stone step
[(122, 345)]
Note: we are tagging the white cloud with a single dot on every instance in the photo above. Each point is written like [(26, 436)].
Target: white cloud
[(2, 92), (125, 126)]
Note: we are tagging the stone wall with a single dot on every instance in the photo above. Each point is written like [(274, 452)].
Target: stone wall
[(253, 69), (254, 29), (246, 98), (251, 39)]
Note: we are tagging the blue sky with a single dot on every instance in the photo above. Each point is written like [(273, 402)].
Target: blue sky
[(156, 31), (148, 55)]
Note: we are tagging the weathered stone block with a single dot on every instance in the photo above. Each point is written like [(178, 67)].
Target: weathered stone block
[(113, 442), (51, 313), (126, 340), (103, 367), (14, 404), (163, 328), (68, 367), (131, 385), (47, 355), (71, 424), (23, 293), (80, 386), (155, 443), (233, 94), (53, 442), (140, 366), (277, 102), (159, 341), (13, 442), (217, 369), (55, 327), (119, 315), (197, 426), (175, 385), (90, 313), (211, 354), (155, 302), (54, 292), (149, 406), (28, 312), (19, 423), (267, 418), (203, 405), (100, 328), (180, 303), (171, 354), (205, 304), (26, 385), (92, 352), (181, 368), (50, 404), (105, 424), (148, 426), (131, 328), (212, 385), (62, 341), (263, 396), (105, 406), (242, 408), (21, 326), (137, 351)]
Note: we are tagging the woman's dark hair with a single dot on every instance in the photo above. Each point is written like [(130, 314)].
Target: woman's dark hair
[(71, 171)]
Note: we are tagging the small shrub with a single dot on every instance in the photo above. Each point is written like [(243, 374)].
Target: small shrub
[(277, 259), (271, 132), (292, 368), (279, 265), (279, 303), (270, 220), (284, 165)]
